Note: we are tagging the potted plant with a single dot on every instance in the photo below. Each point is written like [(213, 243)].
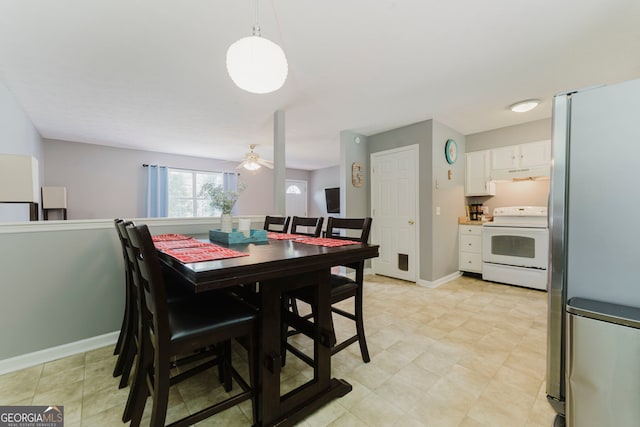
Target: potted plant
[(224, 201)]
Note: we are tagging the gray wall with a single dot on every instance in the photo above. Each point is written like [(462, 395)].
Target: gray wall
[(420, 134), (321, 179), (448, 195), (77, 291), (17, 136), (109, 182), (524, 193), (354, 201), (538, 130), (438, 233)]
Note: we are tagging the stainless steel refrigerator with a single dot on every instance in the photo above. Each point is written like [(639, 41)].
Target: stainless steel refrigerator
[(594, 273)]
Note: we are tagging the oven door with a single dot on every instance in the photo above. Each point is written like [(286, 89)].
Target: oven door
[(517, 246)]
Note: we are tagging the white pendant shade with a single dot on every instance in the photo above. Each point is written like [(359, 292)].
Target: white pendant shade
[(257, 65)]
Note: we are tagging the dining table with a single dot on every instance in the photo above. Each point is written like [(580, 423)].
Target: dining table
[(278, 266)]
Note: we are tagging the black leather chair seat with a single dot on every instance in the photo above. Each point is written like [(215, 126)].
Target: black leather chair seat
[(341, 288), (189, 317)]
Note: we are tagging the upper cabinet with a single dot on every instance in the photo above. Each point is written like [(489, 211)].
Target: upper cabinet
[(506, 163), (505, 157), (521, 161), (478, 174), (520, 156), (535, 154)]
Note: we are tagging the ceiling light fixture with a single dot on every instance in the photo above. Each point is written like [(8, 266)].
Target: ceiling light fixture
[(524, 106), (256, 64), (252, 161)]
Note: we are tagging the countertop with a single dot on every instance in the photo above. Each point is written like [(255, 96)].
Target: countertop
[(464, 221)]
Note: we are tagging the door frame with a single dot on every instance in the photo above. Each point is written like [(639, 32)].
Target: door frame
[(415, 148)]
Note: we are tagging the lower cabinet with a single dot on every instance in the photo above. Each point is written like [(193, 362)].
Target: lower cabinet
[(470, 252)]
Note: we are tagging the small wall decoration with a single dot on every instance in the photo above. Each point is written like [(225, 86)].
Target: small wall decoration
[(451, 151), (357, 174)]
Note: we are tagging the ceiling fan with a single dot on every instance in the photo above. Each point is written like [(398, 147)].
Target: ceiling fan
[(252, 161)]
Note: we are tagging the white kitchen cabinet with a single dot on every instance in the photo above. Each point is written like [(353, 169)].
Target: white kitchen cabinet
[(517, 161), (477, 174), (470, 250), (505, 157), (535, 154)]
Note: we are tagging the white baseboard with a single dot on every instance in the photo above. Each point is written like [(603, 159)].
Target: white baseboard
[(50, 354), (440, 281)]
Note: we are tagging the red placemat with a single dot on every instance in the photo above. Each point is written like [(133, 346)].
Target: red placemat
[(177, 244), (282, 236), (169, 237), (323, 241), (203, 253)]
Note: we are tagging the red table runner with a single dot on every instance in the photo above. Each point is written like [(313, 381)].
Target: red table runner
[(187, 249), (178, 244), (318, 241), (209, 252), (169, 237), (323, 241), (282, 236)]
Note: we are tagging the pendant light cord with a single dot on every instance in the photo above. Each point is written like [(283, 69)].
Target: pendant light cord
[(256, 25)]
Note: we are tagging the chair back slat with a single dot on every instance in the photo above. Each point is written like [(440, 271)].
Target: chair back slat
[(315, 223), (277, 224), (148, 274), (336, 225), (121, 228)]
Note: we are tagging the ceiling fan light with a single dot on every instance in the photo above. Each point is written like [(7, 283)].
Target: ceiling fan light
[(524, 106), (251, 165), (257, 65)]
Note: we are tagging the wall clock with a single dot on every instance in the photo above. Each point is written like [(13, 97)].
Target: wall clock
[(451, 151)]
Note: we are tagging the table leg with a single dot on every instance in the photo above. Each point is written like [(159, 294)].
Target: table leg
[(296, 405)]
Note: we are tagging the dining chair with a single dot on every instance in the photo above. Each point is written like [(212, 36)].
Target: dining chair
[(128, 344), (314, 223), (342, 288), (298, 222), (125, 347), (277, 224), (170, 330)]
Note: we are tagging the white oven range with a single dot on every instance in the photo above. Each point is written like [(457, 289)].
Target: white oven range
[(515, 246)]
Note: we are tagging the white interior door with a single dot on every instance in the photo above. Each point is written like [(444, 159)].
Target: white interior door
[(296, 197), (394, 192)]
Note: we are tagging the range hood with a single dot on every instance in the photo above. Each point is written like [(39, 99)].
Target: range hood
[(520, 173)]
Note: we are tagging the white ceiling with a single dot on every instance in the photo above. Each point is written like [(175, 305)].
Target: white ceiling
[(151, 74)]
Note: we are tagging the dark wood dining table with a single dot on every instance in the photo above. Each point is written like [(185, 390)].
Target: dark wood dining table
[(280, 266)]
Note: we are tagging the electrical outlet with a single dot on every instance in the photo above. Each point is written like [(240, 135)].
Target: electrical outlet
[(437, 210)]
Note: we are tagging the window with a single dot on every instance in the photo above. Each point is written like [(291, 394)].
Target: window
[(293, 189), (184, 193)]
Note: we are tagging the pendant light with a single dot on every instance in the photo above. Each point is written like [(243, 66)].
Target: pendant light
[(256, 64)]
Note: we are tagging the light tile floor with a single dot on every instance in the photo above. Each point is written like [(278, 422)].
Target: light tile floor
[(468, 353)]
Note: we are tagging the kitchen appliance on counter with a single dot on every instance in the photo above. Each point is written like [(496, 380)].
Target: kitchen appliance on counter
[(475, 211), (593, 272), (515, 246)]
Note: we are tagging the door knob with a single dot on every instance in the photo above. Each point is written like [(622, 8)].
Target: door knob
[(411, 221)]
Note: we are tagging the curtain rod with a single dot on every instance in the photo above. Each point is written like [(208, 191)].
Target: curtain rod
[(145, 165)]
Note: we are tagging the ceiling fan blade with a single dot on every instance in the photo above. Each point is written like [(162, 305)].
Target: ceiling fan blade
[(265, 163), (241, 165)]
